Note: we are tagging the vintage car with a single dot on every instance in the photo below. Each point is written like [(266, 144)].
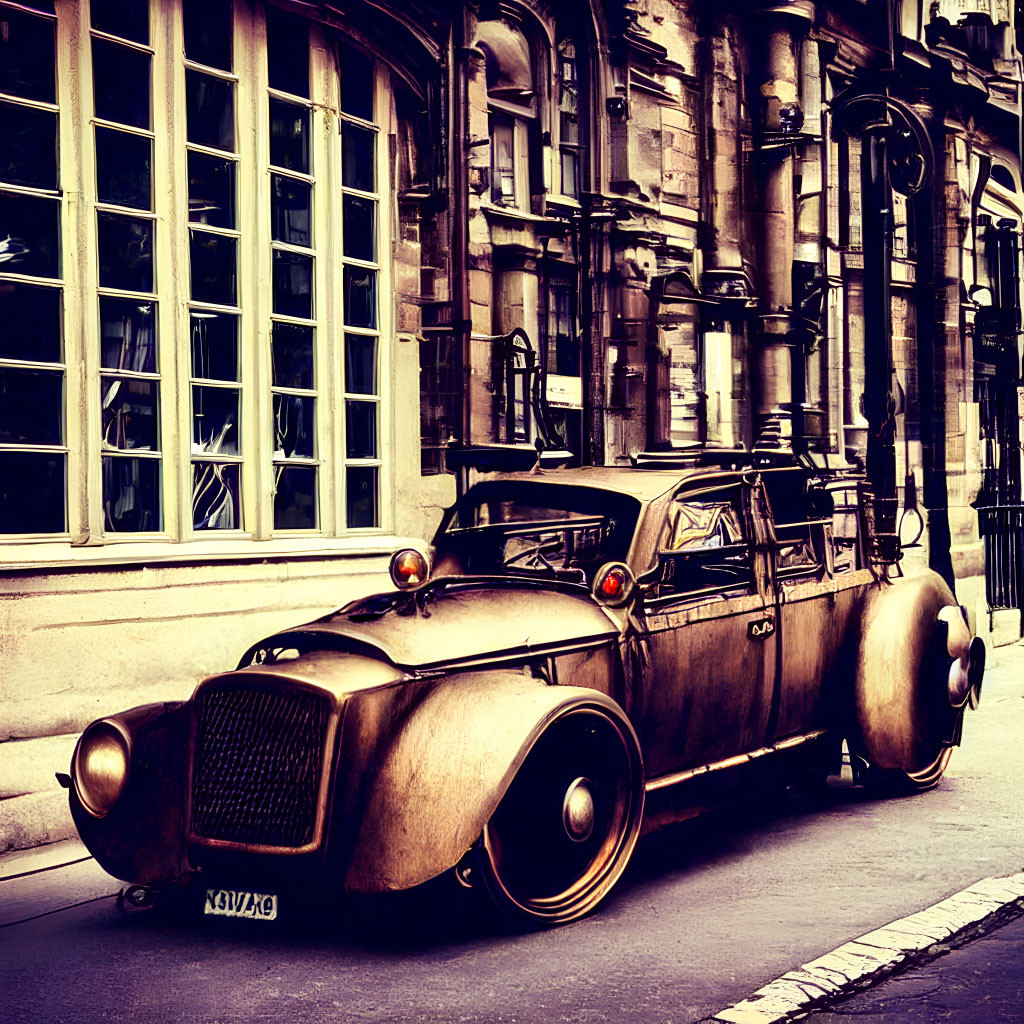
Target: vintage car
[(575, 642)]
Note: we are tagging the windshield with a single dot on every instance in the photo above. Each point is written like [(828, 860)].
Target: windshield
[(534, 528)]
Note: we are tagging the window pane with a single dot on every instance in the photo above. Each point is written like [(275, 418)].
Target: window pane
[(31, 492), (127, 335), (213, 263), (360, 238), (215, 489), (31, 406), (211, 190), (293, 356), (214, 345), (361, 364), (357, 157), (214, 421), (361, 430), (288, 52), (120, 83), (356, 83), (29, 233), (30, 322), (289, 136), (123, 168), (295, 498), (128, 19), (27, 56), (129, 414), (28, 146), (361, 496), (293, 427), (293, 284), (209, 111), (208, 32), (126, 252), (292, 209), (131, 495), (360, 297)]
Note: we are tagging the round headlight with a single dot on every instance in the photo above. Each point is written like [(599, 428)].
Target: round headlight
[(100, 767), (408, 567)]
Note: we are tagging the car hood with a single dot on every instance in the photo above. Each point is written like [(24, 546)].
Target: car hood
[(458, 621)]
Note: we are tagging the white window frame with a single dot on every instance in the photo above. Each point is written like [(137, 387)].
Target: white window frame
[(84, 538)]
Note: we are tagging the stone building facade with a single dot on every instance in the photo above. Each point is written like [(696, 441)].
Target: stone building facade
[(266, 266)]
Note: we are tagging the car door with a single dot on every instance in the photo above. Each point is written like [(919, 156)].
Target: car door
[(707, 628), (813, 604)]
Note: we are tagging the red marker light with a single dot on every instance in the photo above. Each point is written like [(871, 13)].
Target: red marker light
[(613, 584), (408, 568)]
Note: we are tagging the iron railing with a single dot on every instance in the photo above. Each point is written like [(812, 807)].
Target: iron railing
[(1002, 527)]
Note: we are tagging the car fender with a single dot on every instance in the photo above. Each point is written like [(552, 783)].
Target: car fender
[(446, 770), (915, 651)]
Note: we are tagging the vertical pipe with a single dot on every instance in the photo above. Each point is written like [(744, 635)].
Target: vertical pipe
[(459, 226)]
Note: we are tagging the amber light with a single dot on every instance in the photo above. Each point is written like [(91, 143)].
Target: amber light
[(408, 567)]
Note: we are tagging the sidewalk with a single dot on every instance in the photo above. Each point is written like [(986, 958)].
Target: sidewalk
[(981, 981)]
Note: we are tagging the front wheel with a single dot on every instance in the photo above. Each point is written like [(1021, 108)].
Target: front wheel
[(565, 829)]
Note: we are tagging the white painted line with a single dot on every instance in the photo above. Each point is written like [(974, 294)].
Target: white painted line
[(877, 953)]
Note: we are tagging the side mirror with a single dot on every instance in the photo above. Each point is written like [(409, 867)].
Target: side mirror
[(614, 584)]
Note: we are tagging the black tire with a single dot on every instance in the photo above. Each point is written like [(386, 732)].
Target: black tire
[(567, 825)]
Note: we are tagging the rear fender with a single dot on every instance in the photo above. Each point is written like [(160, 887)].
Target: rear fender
[(446, 770)]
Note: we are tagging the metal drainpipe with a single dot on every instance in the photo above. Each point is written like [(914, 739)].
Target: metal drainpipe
[(459, 225), (780, 94), (879, 406)]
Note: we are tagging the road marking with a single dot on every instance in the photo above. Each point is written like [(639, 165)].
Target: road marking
[(871, 957)]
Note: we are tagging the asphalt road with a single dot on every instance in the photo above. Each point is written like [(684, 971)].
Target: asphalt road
[(708, 912)]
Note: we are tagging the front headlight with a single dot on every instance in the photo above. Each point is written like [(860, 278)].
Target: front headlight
[(100, 767)]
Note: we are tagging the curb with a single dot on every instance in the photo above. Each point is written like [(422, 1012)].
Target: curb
[(868, 959)]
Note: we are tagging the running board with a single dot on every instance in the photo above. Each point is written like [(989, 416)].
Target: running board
[(663, 781)]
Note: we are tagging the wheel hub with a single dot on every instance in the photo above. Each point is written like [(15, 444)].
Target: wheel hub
[(578, 810)]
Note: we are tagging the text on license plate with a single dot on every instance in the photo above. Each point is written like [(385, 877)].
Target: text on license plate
[(239, 903)]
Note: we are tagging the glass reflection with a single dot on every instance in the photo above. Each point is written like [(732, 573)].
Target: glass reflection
[(120, 78), (128, 19), (358, 228), (360, 297), (123, 168), (126, 252), (28, 57), (131, 495), (357, 157), (207, 26), (214, 345), (28, 146), (129, 411), (292, 210), (30, 322), (213, 268), (293, 284), (292, 349), (32, 486), (294, 498), (211, 190), (214, 421), (209, 110), (356, 83), (127, 335), (293, 427), (361, 364), (289, 136), (361, 430), (215, 490), (29, 235), (288, 52), (31, 404), (361, 497)]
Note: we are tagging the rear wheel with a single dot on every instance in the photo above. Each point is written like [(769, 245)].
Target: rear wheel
[(564, 831)]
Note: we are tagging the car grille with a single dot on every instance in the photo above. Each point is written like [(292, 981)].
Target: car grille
[(258, 760)]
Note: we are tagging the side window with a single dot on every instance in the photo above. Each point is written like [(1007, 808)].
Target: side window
[(799, 516), (705, 546)]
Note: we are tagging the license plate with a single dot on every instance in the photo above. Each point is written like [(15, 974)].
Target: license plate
[(240, 903)]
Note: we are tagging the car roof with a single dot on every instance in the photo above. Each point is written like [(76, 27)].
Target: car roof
[(646, 485)]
